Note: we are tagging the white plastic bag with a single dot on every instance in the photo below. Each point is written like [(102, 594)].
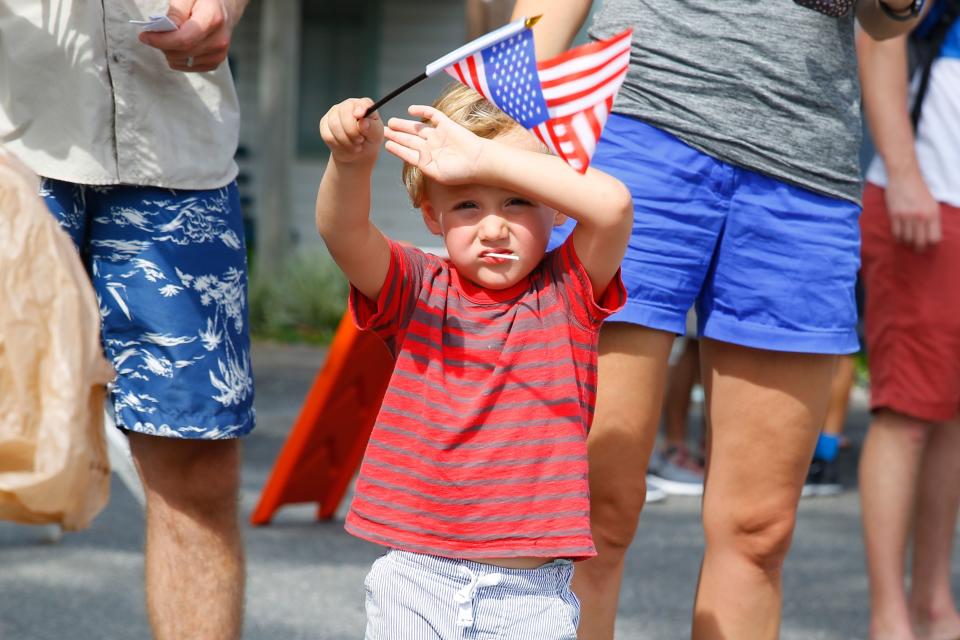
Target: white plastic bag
[(53, 456)]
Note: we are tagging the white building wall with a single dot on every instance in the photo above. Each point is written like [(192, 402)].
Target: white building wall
[(414, 32)]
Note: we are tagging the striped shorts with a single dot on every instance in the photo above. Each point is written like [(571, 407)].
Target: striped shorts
[(412, 596)]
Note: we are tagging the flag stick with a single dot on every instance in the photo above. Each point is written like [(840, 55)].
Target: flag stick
[(393, 94), (456, 55)]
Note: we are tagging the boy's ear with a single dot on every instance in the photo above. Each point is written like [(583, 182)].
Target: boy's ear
[(431, 218), (559, 219)]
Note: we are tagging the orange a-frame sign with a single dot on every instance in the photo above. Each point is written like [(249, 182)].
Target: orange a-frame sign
[(328, 439)]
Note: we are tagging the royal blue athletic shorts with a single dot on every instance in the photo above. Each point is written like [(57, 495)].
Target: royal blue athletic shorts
[(169, 271), (768, 264)]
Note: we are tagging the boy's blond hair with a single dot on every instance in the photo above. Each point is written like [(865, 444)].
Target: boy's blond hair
[(471, 111)]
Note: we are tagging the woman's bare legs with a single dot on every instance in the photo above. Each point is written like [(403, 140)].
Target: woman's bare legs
[(632, 375), (765, 410)]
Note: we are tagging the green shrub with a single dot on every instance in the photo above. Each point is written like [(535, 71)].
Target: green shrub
[(303, 303)]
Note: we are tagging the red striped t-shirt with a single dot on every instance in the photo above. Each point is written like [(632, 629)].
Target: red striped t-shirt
[(479, 449)]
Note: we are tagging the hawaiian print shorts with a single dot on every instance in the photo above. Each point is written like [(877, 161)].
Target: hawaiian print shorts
[(169, 270)]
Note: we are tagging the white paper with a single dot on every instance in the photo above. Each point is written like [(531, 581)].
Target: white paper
[(156, 23)]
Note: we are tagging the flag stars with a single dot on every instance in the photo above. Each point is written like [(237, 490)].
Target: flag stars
[(509, 69)]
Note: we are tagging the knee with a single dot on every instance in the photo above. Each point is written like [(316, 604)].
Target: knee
[(619, 445), (760, 536), (192, 476), (211, 479), (615, 515)]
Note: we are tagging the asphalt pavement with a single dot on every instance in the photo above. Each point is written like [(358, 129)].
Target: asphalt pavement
[(305, 578)]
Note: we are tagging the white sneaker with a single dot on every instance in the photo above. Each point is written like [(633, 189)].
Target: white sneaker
[(655, 494)]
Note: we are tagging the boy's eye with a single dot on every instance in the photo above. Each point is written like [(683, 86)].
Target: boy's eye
[(468, 204), (519, 202)]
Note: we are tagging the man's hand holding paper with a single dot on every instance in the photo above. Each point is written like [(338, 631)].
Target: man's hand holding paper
[(202, 33)]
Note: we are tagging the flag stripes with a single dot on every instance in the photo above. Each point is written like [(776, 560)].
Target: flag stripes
[(579, 87)]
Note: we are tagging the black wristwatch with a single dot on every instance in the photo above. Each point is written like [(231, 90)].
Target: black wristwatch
[(902, 16)]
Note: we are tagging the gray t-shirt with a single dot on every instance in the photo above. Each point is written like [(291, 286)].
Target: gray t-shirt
[(763, 84)]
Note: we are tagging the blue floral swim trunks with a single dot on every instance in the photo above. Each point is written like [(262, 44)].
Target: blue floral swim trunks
[(169, 271)]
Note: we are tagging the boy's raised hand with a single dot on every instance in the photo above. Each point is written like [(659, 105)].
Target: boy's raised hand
[(351, 137), (443, 150)]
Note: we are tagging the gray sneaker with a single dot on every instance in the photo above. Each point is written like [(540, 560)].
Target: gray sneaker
[(676, 473)]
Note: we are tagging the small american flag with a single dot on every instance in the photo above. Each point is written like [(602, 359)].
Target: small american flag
[(565, 100), (506, 75)]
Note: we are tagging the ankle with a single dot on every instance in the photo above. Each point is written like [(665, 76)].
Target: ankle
[(930, 612), (881, 631), (935, 622), (891, 623)]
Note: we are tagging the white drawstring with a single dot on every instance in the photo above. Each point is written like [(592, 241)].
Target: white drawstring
[(464, 597)]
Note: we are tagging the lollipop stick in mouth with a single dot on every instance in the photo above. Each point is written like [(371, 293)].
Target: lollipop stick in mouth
[(508, 256)]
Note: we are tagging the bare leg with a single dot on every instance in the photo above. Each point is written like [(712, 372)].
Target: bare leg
[(676, 405), (934, 612), (839, 395), (632, 372), (889, 476), (194, 553), (765, 409)]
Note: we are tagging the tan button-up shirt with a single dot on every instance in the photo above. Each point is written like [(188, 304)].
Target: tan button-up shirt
[(83, 100)]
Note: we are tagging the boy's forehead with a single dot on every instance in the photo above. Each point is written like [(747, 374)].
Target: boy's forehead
[(453, 191), (442, 194)]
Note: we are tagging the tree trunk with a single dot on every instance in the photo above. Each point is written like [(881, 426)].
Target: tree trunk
[(279, 63)]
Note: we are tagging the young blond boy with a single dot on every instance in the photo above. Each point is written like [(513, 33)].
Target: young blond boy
[(475, 476)]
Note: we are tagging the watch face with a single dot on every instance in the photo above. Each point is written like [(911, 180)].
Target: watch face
[(833, 8)]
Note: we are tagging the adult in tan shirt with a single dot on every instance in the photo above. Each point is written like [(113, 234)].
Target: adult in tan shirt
[(133, 135)]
